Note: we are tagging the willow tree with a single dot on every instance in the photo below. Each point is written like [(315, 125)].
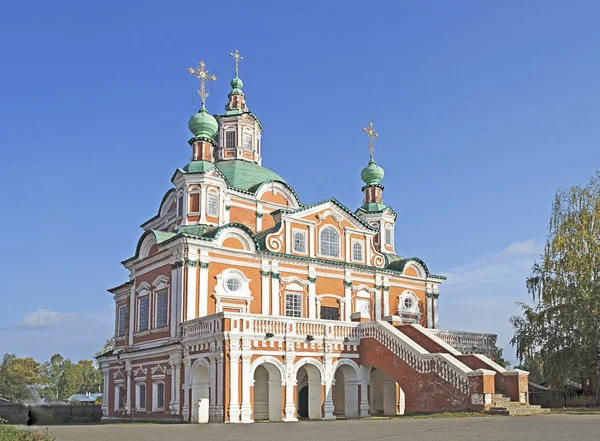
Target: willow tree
[(562, 327)]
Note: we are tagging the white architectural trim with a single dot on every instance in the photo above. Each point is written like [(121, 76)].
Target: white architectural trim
[(270, 360)]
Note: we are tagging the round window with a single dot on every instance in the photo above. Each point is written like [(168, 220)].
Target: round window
[(233, 284), (409, 302)]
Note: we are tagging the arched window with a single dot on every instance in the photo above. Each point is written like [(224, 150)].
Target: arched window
[(299, 241), (357, 253), (330, 242), (140, 396)]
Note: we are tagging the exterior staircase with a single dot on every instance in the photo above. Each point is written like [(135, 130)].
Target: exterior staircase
[(503, 406)]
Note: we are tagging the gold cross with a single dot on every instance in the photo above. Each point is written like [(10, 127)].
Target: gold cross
[(202, 74), (372, 135), (237, 57)]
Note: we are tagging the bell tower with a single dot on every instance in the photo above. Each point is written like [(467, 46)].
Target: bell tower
[(373, 211), (240, 131)]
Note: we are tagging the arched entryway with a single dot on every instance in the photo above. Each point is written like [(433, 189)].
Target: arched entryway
[(267, 404), (345, 390), (309, 399), (200, 386), (384, 394)]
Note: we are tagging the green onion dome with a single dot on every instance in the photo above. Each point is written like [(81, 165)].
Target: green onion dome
[(202, 124), (236, 86), (372, 174)]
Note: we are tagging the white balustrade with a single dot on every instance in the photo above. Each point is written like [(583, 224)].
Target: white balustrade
[(467, 342)]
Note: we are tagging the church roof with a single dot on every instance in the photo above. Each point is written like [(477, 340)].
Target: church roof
[(244, 175)]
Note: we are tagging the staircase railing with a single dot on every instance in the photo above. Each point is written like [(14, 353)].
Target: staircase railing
[(443, 365)]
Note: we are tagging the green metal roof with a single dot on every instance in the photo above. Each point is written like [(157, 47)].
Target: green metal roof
[(244, 175), (197, 167), (373, 207)]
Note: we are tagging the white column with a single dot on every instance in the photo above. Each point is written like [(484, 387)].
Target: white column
[(106, 373), (131, 313), (288, 235), (328, 365), (203, 294), (175, 293), (220, 388), (312, 291), (234, 403), (436, 313), (347, 298), (246, 409), (386, 301), (429, 307), (347, 251), (128, 379), (191, 290), (290, 383), (311, 240), (377, 302), (275, 308), (203, 204), (364, 388), (212, 404), (187, 363), (265, 299), (259, 216), (175, 383)]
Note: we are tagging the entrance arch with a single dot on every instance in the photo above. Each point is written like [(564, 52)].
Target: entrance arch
[(200, 385), (309, 378), (385, 396), (267, 376), (345, 389)]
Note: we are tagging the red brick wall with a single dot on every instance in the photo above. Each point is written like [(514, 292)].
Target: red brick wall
[(422, 339)]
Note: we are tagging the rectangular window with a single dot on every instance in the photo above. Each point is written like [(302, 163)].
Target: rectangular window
[(141, 392), (357, 254), (180, 206), (122, 325), (388, 236), (293, 304), (161, 309), (248, 141), (143, 312), (160, 396), (213, 205), (299, 242), (329, 313), (230, 139), (194, 202), (120, 397)]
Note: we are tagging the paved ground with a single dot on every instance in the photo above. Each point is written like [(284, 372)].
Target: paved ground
[(544, 427)]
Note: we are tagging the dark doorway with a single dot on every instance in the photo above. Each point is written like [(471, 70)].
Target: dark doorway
[(303, 402), (329, 313)]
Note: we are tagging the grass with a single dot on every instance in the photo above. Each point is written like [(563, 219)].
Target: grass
[(576, 411), (12, 433)]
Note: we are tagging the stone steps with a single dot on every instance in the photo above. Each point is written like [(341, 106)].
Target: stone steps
[(502, 405)]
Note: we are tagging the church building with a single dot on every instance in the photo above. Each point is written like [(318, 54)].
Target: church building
[(244, 303)]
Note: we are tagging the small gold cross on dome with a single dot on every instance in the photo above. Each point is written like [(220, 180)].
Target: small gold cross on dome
[(372, 135), (203, 75), (237, 57)]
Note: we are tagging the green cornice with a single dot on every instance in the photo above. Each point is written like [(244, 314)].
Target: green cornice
[(275, 276), (348, 283), (265, 273), (312, 279), (191, 263), (259, 215), (204, 265)]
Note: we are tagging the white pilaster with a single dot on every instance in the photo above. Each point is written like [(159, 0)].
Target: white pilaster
[(106, 373), (259, 216), (220, 388), (290, 383), (131, 313), (265, 298), (347, 251), (386, 297), (212, 400), (175, 361), (246, 410), (128, 379), (436, 313), (312, 292), (203, 291), (203, 204), (175, 293), (364, 388), (311, 240), (328, 365), (348, 295), (187, 363), (275, 307), (288, 240), (234, 401), (429, 307), (191, 290)]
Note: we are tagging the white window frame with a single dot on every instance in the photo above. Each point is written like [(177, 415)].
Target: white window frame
[(297, 296), (247, 134), (226, 143), (389, 236), (180, 207), (303, 233), (415, 306), (118, 333), (119, 392), (164, 291), (362, 252), (321, 231), (155, 407), (138, 395), (209, 196), (144, 295)]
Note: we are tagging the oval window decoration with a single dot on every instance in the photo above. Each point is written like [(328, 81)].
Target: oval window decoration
[(233, 284), (409, 303)]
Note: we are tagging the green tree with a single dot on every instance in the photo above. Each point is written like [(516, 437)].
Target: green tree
[(92, 377), (499, 359), (109, 345), (72, 379), (534, 366), (17, 377), (54, 377), (562, 327)]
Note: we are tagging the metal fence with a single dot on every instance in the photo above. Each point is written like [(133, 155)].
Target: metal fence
[(561, 399), (47, 415)]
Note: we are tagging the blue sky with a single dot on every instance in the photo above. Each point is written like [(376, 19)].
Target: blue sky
[(483, 111)]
